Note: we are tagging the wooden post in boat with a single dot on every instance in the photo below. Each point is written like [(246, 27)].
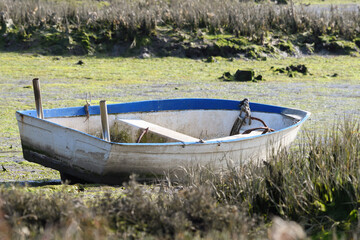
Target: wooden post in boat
[(104, 121), (37, 94)]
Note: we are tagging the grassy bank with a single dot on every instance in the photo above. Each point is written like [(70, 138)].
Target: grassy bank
[(177, 28)]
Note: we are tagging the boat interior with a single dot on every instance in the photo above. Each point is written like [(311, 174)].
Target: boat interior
[(175, 126)]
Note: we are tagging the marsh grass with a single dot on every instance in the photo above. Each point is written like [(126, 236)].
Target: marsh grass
[(315, 184), (82, 27)]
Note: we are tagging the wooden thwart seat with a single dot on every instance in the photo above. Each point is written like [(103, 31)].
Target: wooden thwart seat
[(169, 134)]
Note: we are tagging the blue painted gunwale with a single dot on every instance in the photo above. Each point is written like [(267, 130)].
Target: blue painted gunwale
[(166, 105), (157, 105)]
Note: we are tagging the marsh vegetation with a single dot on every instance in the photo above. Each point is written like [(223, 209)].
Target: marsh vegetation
[(177, 28), (315, 183)]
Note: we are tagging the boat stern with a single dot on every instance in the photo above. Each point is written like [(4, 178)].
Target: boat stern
[(71, 152)]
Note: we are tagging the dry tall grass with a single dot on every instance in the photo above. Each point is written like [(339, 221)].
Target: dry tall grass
[(142, 16)]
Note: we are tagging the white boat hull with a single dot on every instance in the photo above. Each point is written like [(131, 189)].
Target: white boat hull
[(71, 144)]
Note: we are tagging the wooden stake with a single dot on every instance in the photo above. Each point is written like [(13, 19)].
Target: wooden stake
[(104, 121), (37, 94)]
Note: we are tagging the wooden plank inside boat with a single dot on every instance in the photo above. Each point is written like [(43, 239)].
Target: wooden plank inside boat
[(165, 134)]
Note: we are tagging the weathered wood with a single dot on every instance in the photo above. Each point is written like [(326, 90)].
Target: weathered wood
[(37, 94), (104, 121)]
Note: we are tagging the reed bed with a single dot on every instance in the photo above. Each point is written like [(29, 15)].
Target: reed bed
[(315, 184), (91, 23)]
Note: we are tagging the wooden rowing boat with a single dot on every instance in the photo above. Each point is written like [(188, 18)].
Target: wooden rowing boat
[(150, 138)]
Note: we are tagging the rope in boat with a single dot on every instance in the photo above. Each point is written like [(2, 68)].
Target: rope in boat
[(240, 121), (265, 127), (142, 134)]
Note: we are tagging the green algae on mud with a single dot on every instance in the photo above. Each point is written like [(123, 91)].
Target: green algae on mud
[(17, 170), (104, 70)]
